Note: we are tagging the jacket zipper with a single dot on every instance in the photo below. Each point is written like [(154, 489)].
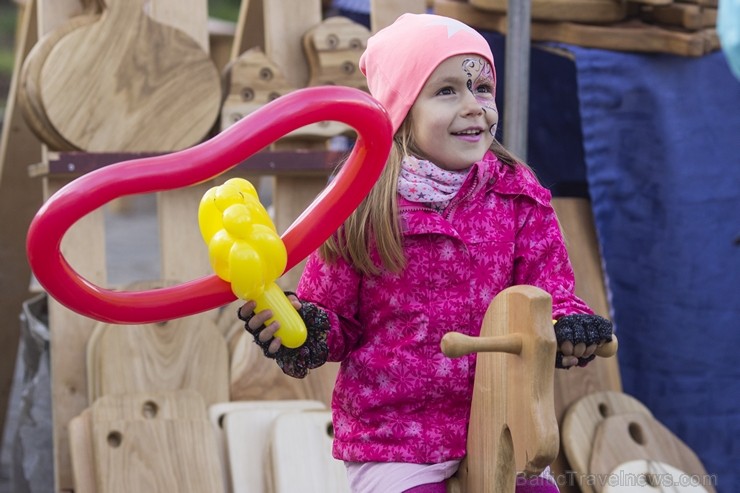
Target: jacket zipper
[(451, 209)]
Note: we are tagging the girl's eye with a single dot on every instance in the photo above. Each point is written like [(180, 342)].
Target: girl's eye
[(445, 91), (484, 88)]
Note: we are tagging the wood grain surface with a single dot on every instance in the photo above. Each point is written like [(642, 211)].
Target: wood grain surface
[(186, 353), (579, 427), (129, 83), (512, 422), (156, 455), (29, 95), (333, 49), (81, 453), (564, 10), (247, 431), (300, 455), (637, 436)]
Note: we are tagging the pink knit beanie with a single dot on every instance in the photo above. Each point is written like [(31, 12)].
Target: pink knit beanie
[(400, 58)]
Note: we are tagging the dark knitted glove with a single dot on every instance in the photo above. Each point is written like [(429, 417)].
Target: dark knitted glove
[(587, 329), (312, 354)]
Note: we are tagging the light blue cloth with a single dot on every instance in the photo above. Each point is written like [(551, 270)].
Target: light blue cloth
[(728, 29), (661, 137)]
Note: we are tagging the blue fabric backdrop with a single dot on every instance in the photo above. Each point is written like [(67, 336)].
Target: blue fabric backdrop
[(654, 140), (661, 138)]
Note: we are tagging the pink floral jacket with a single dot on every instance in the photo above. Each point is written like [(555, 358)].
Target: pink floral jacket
[(397, 398)]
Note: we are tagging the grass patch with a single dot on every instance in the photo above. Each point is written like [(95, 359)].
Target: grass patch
[(224, 9), (7, 59)]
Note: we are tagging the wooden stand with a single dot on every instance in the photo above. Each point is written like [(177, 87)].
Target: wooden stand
[(297, 178)]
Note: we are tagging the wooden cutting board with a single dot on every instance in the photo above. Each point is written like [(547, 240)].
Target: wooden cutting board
[(180, 404), (81, 452), (156, 455), (651, 477), (301, 457), (155, 442), (186, 353), (173, 404), (29, 96), (247, 431), (580, 422), (565, 10), (129, 83), (637, 436)]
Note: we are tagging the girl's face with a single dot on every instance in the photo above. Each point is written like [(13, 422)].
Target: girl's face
[(453, 120)]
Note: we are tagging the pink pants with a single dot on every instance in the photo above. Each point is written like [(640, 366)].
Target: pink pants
[(429, 488)]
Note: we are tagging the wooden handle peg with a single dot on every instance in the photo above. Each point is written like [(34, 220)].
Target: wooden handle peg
[(455, 344)]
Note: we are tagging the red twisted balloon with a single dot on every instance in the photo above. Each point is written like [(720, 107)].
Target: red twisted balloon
[(198, 164)]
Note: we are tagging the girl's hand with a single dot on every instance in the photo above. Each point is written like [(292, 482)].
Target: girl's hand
[(572, 353), (295, 362), (578, 337), (256, 324)]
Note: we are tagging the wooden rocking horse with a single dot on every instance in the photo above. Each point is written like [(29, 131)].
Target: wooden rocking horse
[(513, 429)]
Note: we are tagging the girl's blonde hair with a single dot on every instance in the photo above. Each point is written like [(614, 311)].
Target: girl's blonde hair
[(376, 218)]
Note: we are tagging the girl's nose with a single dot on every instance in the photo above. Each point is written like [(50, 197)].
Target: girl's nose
[(471, 106)]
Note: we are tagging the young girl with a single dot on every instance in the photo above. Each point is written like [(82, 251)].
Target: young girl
[(453, 220)]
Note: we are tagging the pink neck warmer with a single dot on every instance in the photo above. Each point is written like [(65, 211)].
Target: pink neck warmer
[(425, 182)]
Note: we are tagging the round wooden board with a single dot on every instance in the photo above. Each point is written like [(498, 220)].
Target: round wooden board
[(128, 83), (29, 95), (581, 420), (636, 436)]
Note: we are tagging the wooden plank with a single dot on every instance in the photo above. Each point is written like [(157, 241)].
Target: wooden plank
[(300, 455), (291, 197), (602, 374), (631, 35), (684, 15), (384, 12), (703, 3), (563, 10), (217, 415), (295, 162), (247, 434), (285, 22), (20, 198), (69, 333), (81, 453), (183, 252), (250, 29), (220, 41)]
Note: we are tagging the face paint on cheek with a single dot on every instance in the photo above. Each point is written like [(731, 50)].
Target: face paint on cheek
[(481, 82)]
